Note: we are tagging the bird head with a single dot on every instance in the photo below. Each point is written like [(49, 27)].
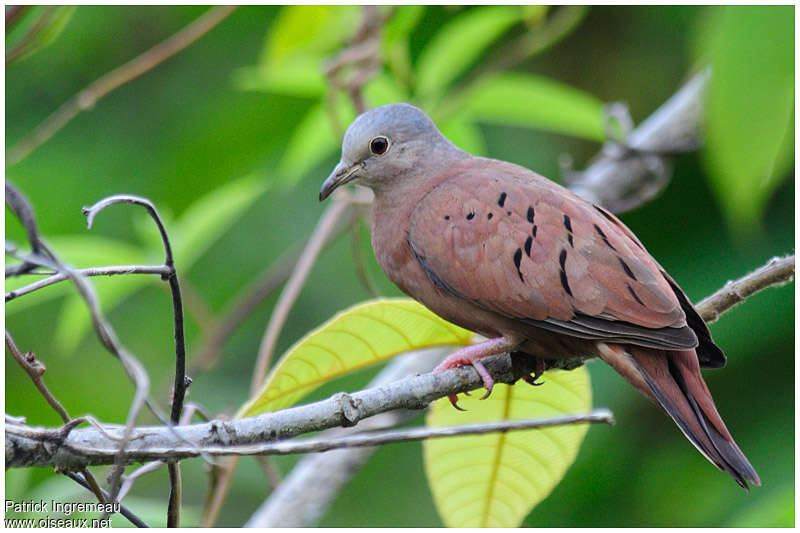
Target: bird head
[(384, 145)]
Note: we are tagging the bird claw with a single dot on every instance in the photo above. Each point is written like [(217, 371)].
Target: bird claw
[(537, 373), (531, 380), (454, 402)]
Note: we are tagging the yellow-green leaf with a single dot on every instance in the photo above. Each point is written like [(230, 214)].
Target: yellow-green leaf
[(495, 480), (365, 334)]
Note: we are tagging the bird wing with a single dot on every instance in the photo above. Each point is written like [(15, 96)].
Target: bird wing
[(517, 244)]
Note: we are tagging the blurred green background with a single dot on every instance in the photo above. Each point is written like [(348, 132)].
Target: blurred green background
[(222, 122)]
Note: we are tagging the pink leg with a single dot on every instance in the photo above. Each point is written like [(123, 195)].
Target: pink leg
[(471, 355)]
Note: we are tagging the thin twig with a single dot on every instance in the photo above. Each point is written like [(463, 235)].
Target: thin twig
[(27, 41), (54, 278), (13, 14), (777, 271), (35, 369), (88, 97), (362, 56), (181, 381), (124, 511), (325, 229)]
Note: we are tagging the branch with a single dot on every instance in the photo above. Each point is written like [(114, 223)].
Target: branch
[(88, 97), (55, 277), (27, 446), (623, 177), (778, 271)]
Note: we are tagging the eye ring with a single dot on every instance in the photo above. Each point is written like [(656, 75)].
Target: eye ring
[(379, 145)]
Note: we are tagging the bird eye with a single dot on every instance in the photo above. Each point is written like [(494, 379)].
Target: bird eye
[(379, 145)]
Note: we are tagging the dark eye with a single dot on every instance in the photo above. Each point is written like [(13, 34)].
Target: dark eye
[(379, 145)]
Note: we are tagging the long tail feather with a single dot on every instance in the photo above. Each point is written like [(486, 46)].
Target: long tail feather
[(673, 380)]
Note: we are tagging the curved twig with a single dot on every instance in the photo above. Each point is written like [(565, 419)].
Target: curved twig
[(181, 380)]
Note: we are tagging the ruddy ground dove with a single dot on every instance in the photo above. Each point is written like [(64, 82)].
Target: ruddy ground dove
[(502, 251)]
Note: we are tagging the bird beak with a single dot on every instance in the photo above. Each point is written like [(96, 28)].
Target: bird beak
[(341, 174)]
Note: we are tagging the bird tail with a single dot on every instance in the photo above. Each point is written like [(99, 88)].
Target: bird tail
[(673, 380)]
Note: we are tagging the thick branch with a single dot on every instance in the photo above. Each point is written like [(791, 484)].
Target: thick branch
[(623, 177), (26, 446)]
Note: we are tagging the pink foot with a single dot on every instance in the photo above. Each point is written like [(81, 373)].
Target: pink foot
[(471, 355)]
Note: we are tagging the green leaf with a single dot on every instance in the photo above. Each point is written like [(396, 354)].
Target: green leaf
[(459, 44), (494, 480), (750, 108), (537, 102), (363, 335)]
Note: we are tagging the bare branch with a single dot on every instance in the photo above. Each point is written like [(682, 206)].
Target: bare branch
[(56, 277), (778, 271), (88, 97)]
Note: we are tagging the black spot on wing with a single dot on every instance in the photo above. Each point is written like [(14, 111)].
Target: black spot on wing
[(568, 225), (470, 216), (528, 243), (517, 262), (489, 216), (533, 231), (502, 200), (603, 236), (627, 269), (529, 215), (562, 260), (633, 293)]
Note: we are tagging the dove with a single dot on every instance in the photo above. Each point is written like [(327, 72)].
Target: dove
[(502, 251)]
